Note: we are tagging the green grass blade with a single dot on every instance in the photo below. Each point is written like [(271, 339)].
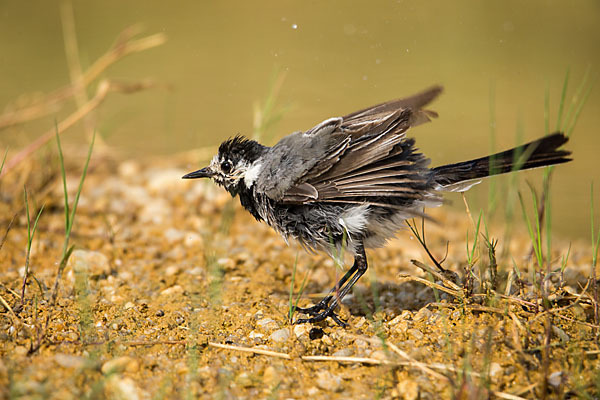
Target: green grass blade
[(291, 305), (493, 192), (571, 126), (547, 109), (27, 215), (562, 100), (61, 159), (35, 224), (596, 242), (3, 161), (80, 187), (529, 225), (574, 99)]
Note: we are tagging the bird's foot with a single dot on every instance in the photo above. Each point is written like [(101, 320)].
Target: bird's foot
[(319, 316), (317, 308)]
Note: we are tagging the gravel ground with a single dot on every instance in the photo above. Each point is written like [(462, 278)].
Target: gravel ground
[(174, 291)]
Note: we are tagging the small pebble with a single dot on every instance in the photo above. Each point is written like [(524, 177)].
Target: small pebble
[(495, 369), (160, 313), (556, 378), (328, 381), (415, 333), (173, 290), (408, 389), (270, 375), (347, 352), (69, 361), (267, 324), (120, 364), (89, 262), (280, 335), (301, 329), (172, 270), (255, 335), (423, 314), (122, 388), (560, 333)]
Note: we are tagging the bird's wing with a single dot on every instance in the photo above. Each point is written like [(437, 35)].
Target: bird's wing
[(369, 159), (293, 156)]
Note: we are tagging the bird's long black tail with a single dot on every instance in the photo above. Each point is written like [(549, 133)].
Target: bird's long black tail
[(539, 153)]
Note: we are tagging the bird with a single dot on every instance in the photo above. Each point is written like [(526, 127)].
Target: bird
[(349, 183)]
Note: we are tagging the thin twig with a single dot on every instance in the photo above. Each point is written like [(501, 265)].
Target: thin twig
[(408, 278), (437, 274)]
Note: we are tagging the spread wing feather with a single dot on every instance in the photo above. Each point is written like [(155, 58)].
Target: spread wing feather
[(371, 159)]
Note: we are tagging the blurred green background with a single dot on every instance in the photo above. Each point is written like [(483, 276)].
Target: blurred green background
[(337, 56)]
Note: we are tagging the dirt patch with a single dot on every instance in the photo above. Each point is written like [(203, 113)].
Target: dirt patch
[(174, 291)]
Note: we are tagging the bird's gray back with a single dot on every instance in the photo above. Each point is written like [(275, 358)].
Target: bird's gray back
[(294, 155)]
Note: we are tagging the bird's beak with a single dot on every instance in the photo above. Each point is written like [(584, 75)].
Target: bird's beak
[(201, 173)]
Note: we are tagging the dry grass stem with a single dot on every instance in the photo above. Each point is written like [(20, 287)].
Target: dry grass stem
[(125, 45), (409, 278), (437, 274), (104, 87)]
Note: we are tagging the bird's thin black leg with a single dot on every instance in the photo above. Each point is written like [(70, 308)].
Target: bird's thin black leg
[(358, 269), (324, 303)]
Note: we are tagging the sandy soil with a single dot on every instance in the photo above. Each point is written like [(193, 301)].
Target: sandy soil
[(173, 291)]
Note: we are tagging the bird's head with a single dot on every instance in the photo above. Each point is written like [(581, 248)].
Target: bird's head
[(228, 168)]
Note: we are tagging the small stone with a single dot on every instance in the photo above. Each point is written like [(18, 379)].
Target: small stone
[(556, 378), (347, 352), (172, 270), (327, 340), (423, 314), (301, 329), (280, 335), (267, 324), (166, 180), (328, 381), (415, 333), (495, 370), (129, 305), (160, 313), (192, 239), (255, 335), (560, 333), (172, 291), (69, 361), (120, 364), (270, 375), (89, 262), (121, 388), (172, 235), (244, 380), (408, 389), (379, 355)]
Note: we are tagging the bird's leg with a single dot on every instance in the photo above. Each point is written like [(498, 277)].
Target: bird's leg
[(324, 303), (352, 276)]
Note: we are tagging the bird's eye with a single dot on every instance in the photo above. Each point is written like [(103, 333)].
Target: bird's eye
[(226, 166)]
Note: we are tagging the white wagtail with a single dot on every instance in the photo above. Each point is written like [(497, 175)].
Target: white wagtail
[(350, 182)]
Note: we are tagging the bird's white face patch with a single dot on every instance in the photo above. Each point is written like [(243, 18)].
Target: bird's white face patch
[(226, 172), (252, 173)]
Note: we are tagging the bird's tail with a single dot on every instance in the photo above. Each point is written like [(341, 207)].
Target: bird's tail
[(539, 153)]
